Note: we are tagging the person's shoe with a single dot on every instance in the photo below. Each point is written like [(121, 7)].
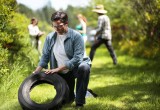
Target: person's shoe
[(79, 106), (115, 62)]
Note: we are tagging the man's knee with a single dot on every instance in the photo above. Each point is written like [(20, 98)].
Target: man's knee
[(84, 67)]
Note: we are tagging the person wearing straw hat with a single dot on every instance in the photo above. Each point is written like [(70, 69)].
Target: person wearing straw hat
[(103, 33)]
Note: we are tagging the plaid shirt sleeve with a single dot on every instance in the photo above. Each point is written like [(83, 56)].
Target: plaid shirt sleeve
[(100, 24)]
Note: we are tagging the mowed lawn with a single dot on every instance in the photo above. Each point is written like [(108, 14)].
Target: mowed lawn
[(133, 84)]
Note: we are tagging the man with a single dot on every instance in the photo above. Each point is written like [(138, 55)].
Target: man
[(103, 33), (64, 49)]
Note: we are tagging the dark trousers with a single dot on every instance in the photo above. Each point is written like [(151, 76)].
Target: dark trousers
[(82, 74), (108, 44), (37, 41)]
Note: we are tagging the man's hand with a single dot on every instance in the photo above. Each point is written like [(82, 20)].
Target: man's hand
[(56, 70), (52, 71)]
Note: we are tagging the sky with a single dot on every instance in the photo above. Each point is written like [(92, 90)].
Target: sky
[(56, 4)]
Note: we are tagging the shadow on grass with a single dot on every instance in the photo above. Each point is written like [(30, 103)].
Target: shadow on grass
[(134, 90), (138, 86), (131, 94), (102, 107)]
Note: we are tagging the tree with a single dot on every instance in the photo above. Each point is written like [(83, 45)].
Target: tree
[(149, 13)]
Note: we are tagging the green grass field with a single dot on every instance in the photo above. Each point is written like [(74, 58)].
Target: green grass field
[(133, 84)]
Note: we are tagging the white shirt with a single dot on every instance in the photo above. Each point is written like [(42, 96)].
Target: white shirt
[(59, 52), (33, 30)]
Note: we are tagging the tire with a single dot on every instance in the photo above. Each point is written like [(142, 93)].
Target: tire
[(62, 91)]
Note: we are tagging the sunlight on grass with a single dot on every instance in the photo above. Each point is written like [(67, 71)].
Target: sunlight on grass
[(106, 81), (117, 103), (7, 105), (129, 60), (43, 93)]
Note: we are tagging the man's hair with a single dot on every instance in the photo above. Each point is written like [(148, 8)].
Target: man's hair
[(59, 15)]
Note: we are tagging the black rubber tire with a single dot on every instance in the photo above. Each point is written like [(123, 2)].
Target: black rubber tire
[(62, 91)]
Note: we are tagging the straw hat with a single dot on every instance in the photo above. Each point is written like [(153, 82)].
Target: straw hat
[(99, 9)]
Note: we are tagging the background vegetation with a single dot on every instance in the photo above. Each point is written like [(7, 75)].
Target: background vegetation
[(132, 84)]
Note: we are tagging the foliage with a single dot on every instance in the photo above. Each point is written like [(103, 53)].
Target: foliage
[(46, 13), (6, 33), (149, 12), (3, 62), (17, 58), (43, 14), (85, 11), (6, 14), (147, 18), (25, 10)]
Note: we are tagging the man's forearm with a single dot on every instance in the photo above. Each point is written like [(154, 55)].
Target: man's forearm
[(38, 69), (61, 68)]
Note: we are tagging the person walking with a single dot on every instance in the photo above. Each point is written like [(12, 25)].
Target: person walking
[(64, 49), (35, 34), (103, 33)]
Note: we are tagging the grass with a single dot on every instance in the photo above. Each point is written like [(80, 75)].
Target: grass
[(133, 84), (43, 93)]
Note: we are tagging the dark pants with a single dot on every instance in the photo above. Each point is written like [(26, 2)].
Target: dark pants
[(82, 74), (37, 41), (108, 44)]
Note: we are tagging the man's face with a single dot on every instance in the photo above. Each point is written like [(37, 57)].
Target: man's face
[(60, 28)]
